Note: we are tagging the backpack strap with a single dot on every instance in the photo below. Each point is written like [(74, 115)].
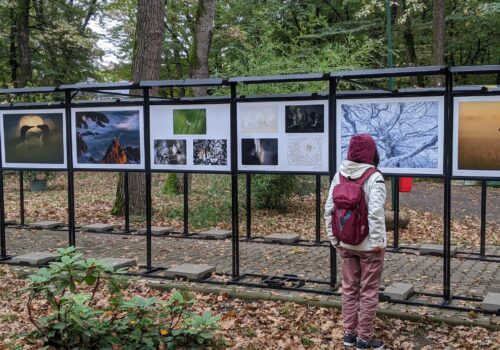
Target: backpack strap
[(366, 175)]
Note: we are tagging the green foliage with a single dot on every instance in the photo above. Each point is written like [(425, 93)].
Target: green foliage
[(273, 191), (72, 318), (215, 207), (171, 185)]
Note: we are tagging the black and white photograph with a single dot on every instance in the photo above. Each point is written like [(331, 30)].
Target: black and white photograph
[(259, 151), (171, 152), (305, 152), (408, 131), (210, 152), (305, 118)]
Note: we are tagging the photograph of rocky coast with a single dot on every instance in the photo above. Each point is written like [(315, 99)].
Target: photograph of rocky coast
[(108, 137)]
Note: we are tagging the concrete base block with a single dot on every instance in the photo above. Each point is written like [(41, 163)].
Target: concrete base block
[(119, 263), (46, 225), (282, 237), (190, 271), (98, 228), (436, 249), (216, 234), (34, 259), (491, 302), (156, 230), (10, 222), (398, 291)]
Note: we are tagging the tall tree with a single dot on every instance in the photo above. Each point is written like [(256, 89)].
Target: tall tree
[(149, 37), (405, 24), (202, 40), (438, 36), (23, 42)]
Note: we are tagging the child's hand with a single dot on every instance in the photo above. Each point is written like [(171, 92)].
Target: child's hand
[(377, 250)]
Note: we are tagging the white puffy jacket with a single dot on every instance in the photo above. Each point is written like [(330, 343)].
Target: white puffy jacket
[(375, 193)]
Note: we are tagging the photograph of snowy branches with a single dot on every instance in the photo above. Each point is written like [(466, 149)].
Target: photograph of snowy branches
[(408, 131)]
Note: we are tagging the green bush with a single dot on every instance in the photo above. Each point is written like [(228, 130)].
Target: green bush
[(273, 191), (172, 185), (73, 319)]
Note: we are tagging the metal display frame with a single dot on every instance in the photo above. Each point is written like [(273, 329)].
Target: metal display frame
[(360, 78)]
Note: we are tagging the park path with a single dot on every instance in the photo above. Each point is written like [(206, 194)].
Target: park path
[(469, 277), (465, 200)]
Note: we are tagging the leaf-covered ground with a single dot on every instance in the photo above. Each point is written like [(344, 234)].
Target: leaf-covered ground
[(210, 206), (260, 324)]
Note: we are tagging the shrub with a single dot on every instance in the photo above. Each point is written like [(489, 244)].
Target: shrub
[(74, 319), (172, 185), (273, 191)]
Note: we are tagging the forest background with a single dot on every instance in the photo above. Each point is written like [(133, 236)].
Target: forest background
[(44, 43)]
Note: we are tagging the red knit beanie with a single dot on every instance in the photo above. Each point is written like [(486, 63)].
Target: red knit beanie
[(362, 149)]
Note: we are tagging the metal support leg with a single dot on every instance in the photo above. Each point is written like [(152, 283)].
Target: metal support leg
[(3, 243), (395, 203), (186, 203), (21, 198), (249, 205), (126, 200), (318, 209), (483, 218)]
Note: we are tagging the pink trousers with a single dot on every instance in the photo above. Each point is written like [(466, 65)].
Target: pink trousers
[(361, 272)]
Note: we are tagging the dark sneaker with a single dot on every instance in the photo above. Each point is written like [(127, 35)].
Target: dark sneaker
[(373, 344), (350, 340)]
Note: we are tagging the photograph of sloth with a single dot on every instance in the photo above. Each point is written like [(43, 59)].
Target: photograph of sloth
[(34, 138), (172, 152), (308, 118)]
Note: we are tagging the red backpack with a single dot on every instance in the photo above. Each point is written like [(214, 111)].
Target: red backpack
[(350, 213)]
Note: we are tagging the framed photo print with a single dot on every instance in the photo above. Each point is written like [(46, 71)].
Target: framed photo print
[(34, 139)]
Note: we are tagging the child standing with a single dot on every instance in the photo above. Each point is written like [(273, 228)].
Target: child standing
[(362, 263)]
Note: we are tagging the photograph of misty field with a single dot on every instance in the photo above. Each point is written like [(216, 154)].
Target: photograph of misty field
[(479, 135), (190, 121)]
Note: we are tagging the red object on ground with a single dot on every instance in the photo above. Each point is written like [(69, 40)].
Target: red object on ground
[(405, 184)]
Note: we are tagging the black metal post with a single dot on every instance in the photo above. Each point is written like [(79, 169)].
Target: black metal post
[(71, 181), (448, 142), (235, 273), (126, 200), (3, 243), (484, 194), (147, 162), (249, 205), (186, 203), (332, 160), (318, 209), (395, 210), (21, 198)]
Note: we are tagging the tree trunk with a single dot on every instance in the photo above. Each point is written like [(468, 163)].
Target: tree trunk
[(13, 50), (202, 39), (407, 30), (23, 45), (146, 66), (438, 36)]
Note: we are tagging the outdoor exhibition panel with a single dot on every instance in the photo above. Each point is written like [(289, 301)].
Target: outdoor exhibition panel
[(409, 131), (108, 138), (476, 136), (285, 136), (33, 139), (190, 137), (270, 134)]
